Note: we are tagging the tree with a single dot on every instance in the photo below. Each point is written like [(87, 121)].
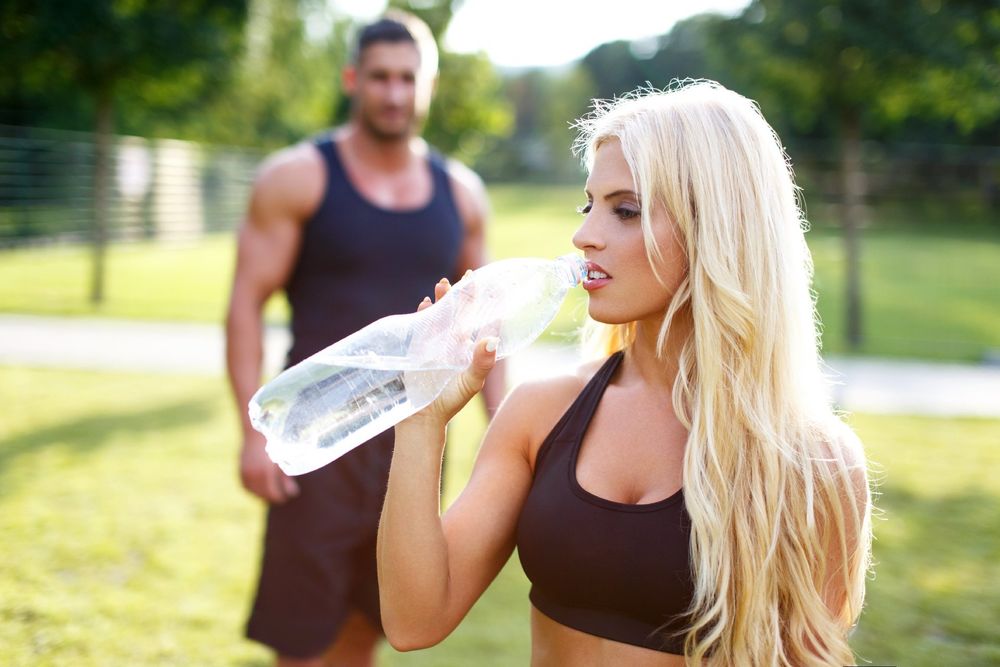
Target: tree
[(437, 14), (469, 113), (857, 65), (619, 67), (286, 83), (545, 102), (104, 48)]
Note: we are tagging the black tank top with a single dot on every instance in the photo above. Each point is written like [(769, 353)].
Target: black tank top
[(359, 262), (614, 570)]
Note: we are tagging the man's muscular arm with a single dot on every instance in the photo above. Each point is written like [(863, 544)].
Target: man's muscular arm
[(473, 206), (285, 193)]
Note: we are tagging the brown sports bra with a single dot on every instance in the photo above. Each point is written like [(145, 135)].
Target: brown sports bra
[(614, 570)]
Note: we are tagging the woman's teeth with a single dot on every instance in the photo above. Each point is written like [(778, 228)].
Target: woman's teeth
[(596, 275)]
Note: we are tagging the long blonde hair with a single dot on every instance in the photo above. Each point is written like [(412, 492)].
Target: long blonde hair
[(773, 481)]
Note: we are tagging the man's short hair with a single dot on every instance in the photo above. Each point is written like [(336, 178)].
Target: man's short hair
[(383, 30), (396, 27)]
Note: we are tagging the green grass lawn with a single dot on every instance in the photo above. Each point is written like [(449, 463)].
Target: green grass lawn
[(128, 541), (930, 290)]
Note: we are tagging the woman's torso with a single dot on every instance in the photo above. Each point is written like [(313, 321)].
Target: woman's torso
[(603, 533), (557, 645)]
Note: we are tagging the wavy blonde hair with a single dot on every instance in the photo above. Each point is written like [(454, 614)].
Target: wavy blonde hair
[(774, 483)]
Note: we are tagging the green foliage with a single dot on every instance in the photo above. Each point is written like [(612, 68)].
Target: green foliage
[(544, 105), (219, 71), (620, 67), (141, 50), (546, 102), (286, 84), (469, 113), (811, 60), (436, 14)]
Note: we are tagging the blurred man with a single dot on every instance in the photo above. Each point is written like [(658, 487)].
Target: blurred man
[(358, 224)]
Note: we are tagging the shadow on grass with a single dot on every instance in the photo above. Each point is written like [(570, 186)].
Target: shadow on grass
[(935, 594), (87, 434)]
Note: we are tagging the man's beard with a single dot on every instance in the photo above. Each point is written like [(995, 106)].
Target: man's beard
[(388, 135)]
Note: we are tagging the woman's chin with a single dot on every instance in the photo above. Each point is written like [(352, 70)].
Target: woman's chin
[(605, 317)]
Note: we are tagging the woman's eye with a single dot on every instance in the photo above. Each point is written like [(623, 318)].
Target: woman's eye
[(625, 213), (584, 210)]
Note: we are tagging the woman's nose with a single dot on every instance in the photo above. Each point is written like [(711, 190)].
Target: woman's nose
[(586, 237)]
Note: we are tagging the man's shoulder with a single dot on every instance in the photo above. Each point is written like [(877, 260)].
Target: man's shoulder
[(294, 174), (469, 191), (464, 177), (293, 161)]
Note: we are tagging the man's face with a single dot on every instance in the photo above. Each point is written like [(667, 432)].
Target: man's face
[(388, 93)]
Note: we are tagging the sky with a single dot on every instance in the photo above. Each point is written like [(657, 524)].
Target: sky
[(549, 33)]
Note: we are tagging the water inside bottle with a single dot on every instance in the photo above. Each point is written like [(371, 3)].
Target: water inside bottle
[(363, 384), (328, 416)]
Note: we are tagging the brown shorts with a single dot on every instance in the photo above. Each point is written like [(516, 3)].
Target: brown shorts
[(318, 562)]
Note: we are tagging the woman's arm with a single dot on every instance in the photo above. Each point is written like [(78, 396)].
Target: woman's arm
[(431, 569), (848, 558)]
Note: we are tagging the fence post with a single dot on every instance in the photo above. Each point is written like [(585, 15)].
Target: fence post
[(852, 181), (103, 140)]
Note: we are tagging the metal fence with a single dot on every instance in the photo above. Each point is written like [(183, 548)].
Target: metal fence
[(161, 189), (165, 189), (901, 171)]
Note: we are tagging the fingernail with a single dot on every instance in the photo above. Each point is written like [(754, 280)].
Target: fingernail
[(468, 272), (491, 344)]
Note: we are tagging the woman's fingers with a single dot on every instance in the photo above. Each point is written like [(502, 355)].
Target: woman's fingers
[(441, 289), (470, 382), (484, 358)]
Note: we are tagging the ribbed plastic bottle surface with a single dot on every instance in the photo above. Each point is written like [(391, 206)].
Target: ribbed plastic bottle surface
[(344, 395)]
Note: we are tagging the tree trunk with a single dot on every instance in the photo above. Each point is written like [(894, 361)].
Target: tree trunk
[(103, 138), (852, 212)]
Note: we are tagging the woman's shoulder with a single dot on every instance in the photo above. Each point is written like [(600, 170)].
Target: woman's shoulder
[(557, 388), (844, 458), (840, 443), (539, 404)]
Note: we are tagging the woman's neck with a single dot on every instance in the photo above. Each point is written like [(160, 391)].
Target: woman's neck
[(642, 361)]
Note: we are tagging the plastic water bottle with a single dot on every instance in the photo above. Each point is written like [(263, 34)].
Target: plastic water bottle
[(323, 407)]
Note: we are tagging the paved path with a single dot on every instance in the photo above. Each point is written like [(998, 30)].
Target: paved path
[(864, 385)]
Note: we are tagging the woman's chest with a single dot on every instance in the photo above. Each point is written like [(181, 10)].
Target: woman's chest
[(632, 451), (593, 552)]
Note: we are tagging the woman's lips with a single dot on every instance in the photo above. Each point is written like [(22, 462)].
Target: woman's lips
[(596, 277)]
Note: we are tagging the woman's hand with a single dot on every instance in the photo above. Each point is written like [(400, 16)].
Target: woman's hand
[(465, 386)]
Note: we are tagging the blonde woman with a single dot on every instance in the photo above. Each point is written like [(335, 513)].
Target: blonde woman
[(690, 498)]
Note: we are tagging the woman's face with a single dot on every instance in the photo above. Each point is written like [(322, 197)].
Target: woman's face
[(622, 284)]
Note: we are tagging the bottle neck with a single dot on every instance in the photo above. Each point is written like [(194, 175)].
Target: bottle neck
[(573, 268)]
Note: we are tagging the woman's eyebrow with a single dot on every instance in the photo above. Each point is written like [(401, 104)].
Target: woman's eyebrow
[(612, 195), (617, 193)]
